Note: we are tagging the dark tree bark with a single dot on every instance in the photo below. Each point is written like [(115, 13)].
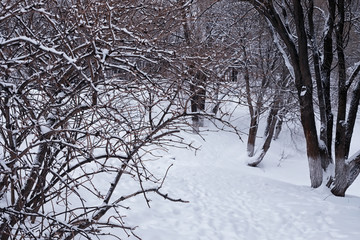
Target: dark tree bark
[(198, 98), (326, 68), (234, 74), (303, 80), (346, 167), (252, 135), (322, 77), (320, 153), (198, 81), (303, 83)]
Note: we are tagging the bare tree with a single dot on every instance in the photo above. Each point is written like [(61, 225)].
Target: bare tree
[(261, 77), (259, 66)]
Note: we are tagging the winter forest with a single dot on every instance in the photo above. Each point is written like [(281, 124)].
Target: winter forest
[(114, 113)]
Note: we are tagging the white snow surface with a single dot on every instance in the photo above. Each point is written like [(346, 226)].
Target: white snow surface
[(231, 201)]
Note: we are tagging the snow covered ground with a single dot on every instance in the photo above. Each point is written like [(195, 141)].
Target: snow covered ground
[(231, 201)]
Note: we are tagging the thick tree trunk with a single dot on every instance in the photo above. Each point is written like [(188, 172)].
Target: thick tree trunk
[(304, 86), (346, 173), (341, 182), (346, 168), (322, 82)]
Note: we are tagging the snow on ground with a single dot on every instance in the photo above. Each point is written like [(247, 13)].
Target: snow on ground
[(231, 201)]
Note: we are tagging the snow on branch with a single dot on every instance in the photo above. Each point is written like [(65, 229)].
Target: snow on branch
[(282, 51), (355, 69), (37, 44)]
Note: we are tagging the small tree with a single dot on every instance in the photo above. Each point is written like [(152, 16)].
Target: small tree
[(259, 65)]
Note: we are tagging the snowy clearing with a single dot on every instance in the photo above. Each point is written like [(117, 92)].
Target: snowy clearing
[(229, 200)]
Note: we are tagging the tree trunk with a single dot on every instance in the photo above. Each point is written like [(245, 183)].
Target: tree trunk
[(278, 128), (198, 92), (252, 134), (272, 113), (233, 74), (198, 82), (341, 149), (322, 86), (268, 139), (304, 86), (326, 69)]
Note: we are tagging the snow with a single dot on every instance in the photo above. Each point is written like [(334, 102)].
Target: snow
[(282, 51), (229, 200), (303, 91), (69, 59)]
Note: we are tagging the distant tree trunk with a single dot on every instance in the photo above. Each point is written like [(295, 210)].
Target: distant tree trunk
[(284, 103), (252, 134), (198, 96), (274, 122), (233, 74), (278, 127), (198, 78), (216, 107), (275, 112)]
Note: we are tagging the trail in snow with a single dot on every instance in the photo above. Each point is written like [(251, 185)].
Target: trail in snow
[(231, 201)]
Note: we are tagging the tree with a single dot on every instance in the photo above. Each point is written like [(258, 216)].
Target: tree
[(201, 54), (257, 69), (261, 74), (296, 23), (279, 108)]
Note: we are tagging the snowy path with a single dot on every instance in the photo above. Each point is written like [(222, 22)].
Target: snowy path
[(231, 201)]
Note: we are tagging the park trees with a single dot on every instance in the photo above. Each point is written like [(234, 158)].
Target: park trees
[(90, 89), (312, 32), (254, 70)]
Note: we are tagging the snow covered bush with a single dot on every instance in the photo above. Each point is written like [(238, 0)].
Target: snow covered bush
[(86, 94)]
